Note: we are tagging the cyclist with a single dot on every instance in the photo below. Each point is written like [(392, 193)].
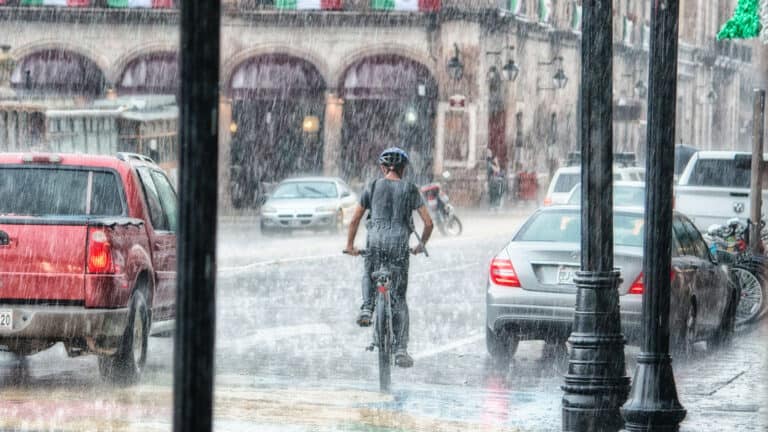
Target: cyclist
[(391, 202)]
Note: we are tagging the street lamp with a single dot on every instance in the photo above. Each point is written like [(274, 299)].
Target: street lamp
[(455, 66), (559, 79), (640, 89), (510, 71)]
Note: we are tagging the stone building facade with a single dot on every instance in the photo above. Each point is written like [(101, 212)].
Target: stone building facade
[(324, 90)]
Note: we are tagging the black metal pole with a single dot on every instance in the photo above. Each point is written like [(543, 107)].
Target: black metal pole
[(756, 197), (653, 404), (596, 384), (198, 175)]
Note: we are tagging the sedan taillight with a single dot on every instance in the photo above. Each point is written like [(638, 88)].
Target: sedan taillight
[(503, 273), (638, 286)]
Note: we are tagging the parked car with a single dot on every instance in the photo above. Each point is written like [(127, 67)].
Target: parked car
[(87, 257), (531, 294), (625, 194), (715, 187), (566, 178), (317, 203)]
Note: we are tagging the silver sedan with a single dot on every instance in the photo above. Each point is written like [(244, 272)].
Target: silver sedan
[(531, 294), (317, 203)]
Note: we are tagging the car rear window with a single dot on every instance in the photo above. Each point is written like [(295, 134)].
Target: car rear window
[(566, 182), (565, 227), (58, 192), (733, 173)]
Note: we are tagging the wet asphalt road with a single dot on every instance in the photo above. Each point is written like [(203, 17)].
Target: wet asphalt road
[(290, 358)]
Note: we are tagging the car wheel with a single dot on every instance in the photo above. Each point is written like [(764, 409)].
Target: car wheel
[(501, 346), (338, 223), (265, 231), (126, 365), (686, 334), (723, 336)]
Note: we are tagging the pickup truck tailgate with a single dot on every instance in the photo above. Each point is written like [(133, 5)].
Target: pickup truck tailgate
[(706, 205), (43, 263)]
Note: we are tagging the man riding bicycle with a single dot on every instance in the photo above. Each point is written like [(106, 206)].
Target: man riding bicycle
[(391, 202)]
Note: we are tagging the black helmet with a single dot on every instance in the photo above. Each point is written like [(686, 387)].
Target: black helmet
[(394, 157)]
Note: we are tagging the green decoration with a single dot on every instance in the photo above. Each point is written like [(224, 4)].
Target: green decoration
[(744, 24)]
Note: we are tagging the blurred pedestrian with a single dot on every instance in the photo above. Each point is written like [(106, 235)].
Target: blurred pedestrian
[(495, 180)]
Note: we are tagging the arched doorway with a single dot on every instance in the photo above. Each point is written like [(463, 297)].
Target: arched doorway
[(277, 123), (151, 73), (389, 100), (53, 72)]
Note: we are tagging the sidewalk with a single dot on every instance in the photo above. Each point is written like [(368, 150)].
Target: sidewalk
[(727, 390)]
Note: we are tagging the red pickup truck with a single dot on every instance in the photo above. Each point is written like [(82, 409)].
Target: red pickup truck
[(87, 256)]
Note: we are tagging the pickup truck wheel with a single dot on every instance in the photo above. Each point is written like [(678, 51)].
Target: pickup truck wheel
[(125, 366)]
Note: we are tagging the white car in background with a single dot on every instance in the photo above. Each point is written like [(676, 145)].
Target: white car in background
[(308, 203), (566, 178)]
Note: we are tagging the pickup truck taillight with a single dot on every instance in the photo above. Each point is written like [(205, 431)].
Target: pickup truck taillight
[(99, 252)]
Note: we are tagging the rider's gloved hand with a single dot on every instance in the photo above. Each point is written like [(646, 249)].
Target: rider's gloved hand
[(419, 248), (351, 250)]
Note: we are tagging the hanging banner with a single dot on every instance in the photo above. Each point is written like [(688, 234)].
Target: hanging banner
[(576, 15), (407, 5), (515, 6), (66, 3), (545, 10), (764, 21), (308, 4), (148, 4)]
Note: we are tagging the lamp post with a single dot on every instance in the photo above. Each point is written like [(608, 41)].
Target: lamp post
[(596, 384), (193, 377), (653, 404)]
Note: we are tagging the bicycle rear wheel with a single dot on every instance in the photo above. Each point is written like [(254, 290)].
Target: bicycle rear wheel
[(383, 324)]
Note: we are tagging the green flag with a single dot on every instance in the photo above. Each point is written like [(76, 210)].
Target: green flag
[(744, 24)]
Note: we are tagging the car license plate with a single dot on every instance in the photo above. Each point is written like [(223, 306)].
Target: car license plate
[(6, 320), (565, 275)]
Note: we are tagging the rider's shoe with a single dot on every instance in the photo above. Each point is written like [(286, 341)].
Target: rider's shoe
[(364, 318), (403, 359)]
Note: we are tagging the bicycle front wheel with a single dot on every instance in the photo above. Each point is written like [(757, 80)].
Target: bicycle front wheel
[(383, 324)]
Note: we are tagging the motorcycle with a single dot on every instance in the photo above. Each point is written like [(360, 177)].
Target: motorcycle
[(441, 210)]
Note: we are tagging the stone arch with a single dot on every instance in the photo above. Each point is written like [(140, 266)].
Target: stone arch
[(58, 68), (119, 65), (389, 99), (381, 50), (25, 50), (233, 62)]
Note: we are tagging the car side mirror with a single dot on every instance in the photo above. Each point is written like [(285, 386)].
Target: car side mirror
[(345, 194)]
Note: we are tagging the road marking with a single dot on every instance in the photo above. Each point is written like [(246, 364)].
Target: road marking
[(259, 264), (447, 347), (276, 333)]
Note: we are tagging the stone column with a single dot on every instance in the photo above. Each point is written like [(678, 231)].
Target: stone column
[(334, 110), (225, 140)]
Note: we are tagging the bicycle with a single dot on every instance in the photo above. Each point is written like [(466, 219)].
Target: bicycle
[(729, 243), (383, 330)]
